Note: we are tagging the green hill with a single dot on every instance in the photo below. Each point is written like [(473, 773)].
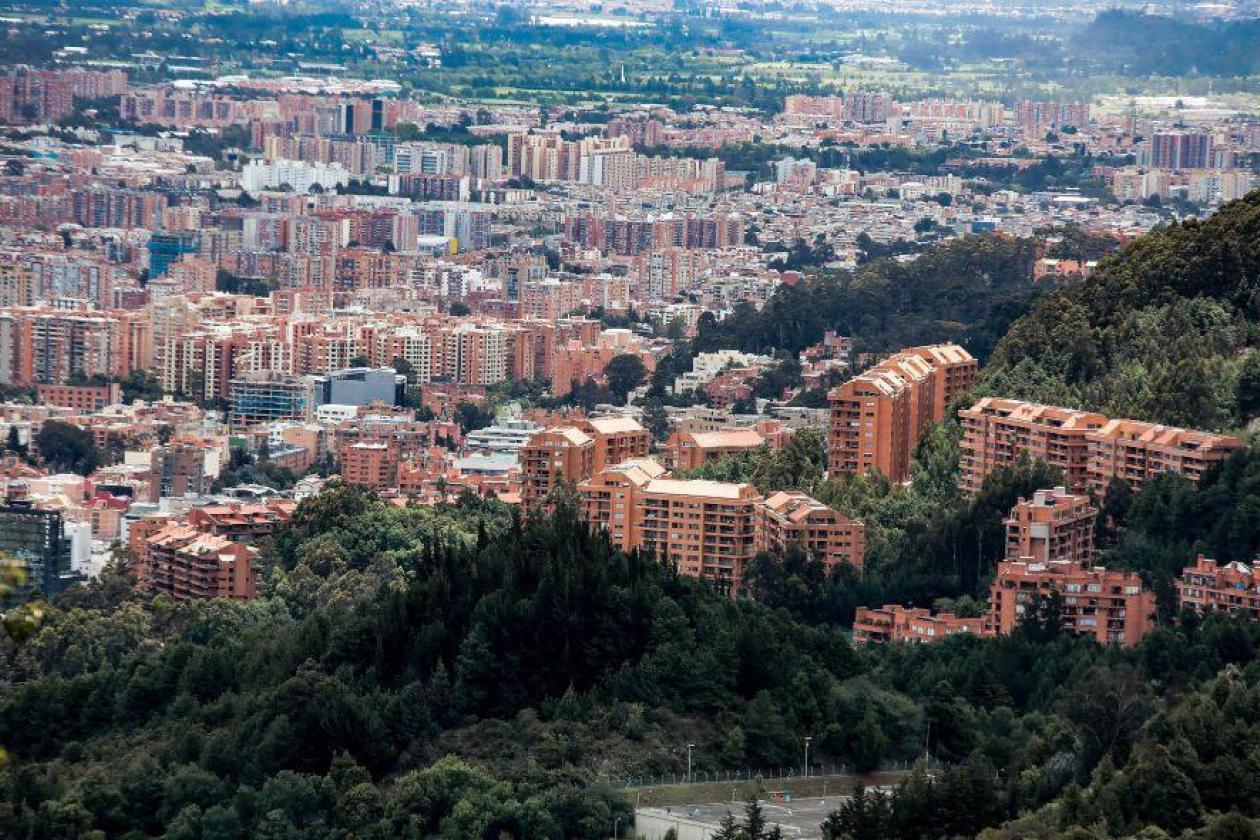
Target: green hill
[(1163, 331), (445, 673)]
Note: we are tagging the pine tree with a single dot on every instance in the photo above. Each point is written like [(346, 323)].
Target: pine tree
[(728, 829), (754, 820)]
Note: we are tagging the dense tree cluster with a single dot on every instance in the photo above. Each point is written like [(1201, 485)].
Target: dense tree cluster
[(388, 640), (64, 447), (966, 291)]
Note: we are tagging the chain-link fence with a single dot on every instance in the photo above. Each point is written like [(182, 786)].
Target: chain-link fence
[(748, 774)]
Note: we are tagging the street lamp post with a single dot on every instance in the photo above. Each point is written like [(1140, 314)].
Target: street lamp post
[(689, 746), (616, 827), (807, 740)]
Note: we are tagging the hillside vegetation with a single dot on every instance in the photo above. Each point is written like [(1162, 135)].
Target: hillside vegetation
[(966, 290), (419, 673), (1165, 331)]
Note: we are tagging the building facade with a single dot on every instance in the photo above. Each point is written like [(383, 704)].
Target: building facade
[(879, 416), (999, 432), (790, 517), (1089, 448), (552, 460), (1109, 606), (1137, 452), (1206, 587), (37, 538), (895, 623), (187, 564), (1052, 525)]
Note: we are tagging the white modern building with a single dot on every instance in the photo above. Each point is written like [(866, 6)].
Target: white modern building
[(297, 174)]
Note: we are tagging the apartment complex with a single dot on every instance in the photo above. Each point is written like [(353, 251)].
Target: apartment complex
[(241, 522), (82, 398), (567, 455), (1207, 587), (711, 530), (609, 500), (997, 432), (688, 450), (895, 623), (1110, 606), (186, 564), (878, 416), (371, 464), (790, 517), (955, 371), (179, 469), (1136, 452), (1052, 525), (31, 96), (617, 439), (1174, 150), (1088, 447), (706, 529), (554, 458)]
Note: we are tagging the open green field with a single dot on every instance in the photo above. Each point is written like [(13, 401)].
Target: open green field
[(393, 37)]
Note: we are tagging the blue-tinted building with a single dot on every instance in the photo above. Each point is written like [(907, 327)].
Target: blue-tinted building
[(165, 249)]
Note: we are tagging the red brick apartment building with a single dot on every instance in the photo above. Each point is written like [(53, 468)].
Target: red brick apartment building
[(554, 458), (241, 522), (688, 450), (997, 432), (1052, 525), (1207, 587), (371, 464), (791, 517), (609, 500), (955, 373), (710, 529), (570, 454), (707, 529), (895, 623), (1137, 451), (1090, 448), (187, 564), (82, 398), (1049, 548), (1110, 606), (617, 439), (879, 416)]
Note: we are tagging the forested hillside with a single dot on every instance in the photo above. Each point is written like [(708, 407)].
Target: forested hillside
[(966, 290), (1164, 331), (420, 673)]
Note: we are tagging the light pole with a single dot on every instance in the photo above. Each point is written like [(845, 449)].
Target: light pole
[(689, 746), (616, 827), (807, 740)]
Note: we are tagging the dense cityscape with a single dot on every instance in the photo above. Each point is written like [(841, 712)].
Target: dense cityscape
[(663, 420)]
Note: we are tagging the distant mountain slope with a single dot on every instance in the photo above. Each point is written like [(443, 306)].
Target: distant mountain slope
[(1163, 331), (1139, 44)]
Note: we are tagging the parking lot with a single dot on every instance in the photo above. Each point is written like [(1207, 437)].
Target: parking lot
[(799, 818)]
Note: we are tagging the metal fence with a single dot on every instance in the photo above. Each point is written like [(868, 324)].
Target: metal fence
[(749, 774)]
